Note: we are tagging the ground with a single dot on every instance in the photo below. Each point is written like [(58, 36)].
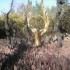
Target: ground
[(24, 57)]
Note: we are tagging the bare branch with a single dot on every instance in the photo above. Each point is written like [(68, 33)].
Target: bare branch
[(11, 6), (2, 12), (46, 20)]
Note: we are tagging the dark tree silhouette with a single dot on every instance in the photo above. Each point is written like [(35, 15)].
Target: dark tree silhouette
[(7, 25), (56, 26)]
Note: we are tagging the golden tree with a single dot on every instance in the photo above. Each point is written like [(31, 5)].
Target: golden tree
[(38, 33)]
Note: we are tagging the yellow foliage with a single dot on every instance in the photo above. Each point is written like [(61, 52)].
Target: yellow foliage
[(17, 18)]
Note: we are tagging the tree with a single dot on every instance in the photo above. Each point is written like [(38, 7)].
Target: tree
[(38, 9), (56, 26), (39, 33), (7, 27), (21, 9), (65, 20)]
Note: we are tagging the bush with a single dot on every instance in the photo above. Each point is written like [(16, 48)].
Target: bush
[(65, 21), (38, 59), (17, 23)]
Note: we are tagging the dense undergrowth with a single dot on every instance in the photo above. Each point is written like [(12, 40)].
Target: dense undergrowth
[(26, 57)]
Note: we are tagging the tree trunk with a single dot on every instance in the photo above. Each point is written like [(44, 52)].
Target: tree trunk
[(56, 26), (37, 38)]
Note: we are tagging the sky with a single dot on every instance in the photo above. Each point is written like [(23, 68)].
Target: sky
[(5, 4)]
